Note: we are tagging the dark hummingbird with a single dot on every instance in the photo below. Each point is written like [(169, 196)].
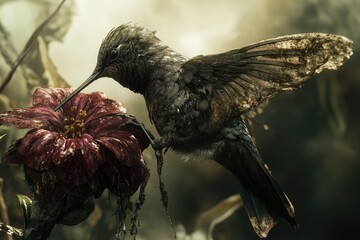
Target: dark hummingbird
[(198, 104)]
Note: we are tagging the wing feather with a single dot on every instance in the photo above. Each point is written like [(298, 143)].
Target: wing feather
[(251, 75)]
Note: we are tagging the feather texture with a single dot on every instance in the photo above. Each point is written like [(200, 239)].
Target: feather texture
[(263, 198), (243, 78)]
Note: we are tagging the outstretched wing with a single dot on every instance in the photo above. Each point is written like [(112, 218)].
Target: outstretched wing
[(235, 81)]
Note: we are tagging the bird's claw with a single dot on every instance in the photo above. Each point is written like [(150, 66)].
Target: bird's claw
[(131, 119), (159, 144)]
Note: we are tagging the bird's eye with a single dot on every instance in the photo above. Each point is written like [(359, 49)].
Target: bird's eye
[(113, 54)]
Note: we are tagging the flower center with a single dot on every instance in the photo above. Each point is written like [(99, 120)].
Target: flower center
[(75, 126)]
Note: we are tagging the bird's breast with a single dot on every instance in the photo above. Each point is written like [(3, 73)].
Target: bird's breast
[(173, 109), (179, 111)]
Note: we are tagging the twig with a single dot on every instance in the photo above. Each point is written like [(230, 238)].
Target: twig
[(3, 208), (28, 46)]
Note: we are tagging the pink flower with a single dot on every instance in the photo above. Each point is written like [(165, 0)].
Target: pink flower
[(85, 142)]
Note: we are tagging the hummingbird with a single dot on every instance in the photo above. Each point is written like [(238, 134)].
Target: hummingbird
[(198, 104)]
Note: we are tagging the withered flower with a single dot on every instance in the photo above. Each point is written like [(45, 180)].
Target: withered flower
[(75, 153)]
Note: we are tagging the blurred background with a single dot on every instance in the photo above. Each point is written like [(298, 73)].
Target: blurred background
[(312, 145)]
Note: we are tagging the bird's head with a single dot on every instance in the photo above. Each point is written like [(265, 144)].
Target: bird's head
[(128, 54)]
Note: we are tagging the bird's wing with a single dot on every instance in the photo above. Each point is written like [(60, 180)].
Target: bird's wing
[(233, 82)]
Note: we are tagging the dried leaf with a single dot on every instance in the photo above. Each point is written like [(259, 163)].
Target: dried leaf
[(28, 47), (220, 212), (54, 79)]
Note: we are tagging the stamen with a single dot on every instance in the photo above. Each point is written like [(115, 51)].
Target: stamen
[(83, 113), (75, 127)]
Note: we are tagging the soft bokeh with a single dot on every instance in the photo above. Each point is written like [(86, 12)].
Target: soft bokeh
[(312, 146)]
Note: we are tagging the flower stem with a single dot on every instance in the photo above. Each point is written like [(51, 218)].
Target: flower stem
[(3, 208)]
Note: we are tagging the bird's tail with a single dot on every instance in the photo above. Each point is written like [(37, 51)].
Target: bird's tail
[(263, 198)]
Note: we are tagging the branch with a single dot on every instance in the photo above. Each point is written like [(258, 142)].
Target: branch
[(28, 46)]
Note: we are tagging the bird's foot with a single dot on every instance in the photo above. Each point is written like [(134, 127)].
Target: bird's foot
[(131, 119), (160, 144)]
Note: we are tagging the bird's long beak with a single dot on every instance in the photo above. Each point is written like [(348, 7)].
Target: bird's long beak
[(92, 78)]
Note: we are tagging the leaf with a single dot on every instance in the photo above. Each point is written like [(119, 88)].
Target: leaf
[(210, 218), (25, 204), (28, 46), (54, 79), (217, 214), (2, 135), (12, 231)]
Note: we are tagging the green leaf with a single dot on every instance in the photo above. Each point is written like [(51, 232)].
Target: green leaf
[(25, 204), (12, 231), (2, 135)]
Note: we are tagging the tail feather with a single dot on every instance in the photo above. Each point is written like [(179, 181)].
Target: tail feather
[(263, 198), (261, 217)]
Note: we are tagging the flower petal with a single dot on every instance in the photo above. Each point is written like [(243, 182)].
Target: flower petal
[(98, 182), (118, 127), (47, 190), (38, 148), (124, 146), (34, 117), (138, 133), (49, 97), (97, 105), (12, 154), (77, 159), (123, 181)]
